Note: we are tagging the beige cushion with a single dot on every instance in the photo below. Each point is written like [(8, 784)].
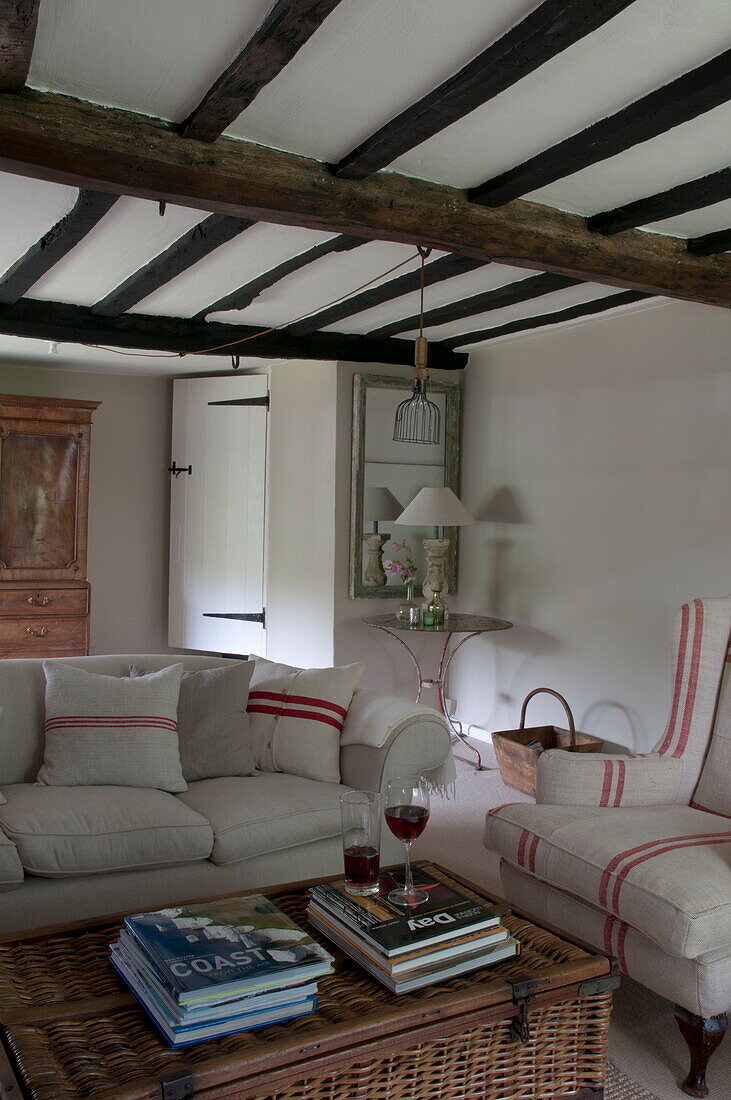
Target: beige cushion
[(297, 716), (214, 730), (112, 730), (11, 869), (701, 985), (62, 831), (664, 870), (266, 813)]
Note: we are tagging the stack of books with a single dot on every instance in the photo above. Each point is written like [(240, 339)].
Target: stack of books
[(202, 971), (448, 934)]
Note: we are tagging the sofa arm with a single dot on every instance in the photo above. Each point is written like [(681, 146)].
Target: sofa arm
[(600, 779), (384, 736)]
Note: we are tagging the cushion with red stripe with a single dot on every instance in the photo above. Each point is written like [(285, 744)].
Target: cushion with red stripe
[(111, 730), (713, 792), (297, 716), (664, 870)]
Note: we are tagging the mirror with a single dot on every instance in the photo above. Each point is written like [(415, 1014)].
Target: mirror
[(384, 471)]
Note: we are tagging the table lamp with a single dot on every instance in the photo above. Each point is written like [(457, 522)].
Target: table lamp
[(378, 504), (435, 508)]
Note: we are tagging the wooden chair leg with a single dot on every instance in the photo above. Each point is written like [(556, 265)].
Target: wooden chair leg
[(702, 1036)]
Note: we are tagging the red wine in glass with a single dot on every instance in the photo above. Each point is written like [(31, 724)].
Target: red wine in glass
[(407, 822), (407, 812), (362, 864)]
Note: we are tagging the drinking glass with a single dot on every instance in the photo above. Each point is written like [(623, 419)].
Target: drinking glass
[(360, 815), (407, 812)]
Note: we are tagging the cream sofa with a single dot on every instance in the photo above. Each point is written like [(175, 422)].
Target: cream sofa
[(633, 853), (69, 853)]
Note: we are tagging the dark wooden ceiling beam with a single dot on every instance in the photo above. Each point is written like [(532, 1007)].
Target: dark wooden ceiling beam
[(53, 137), (89, 208), (446, 267), (63, 323), (546, 32), (18, 21), (710, 243), (285, 29), (521, 291), (198, 242), (683, 99), (667, 204), (587, 309), (245, 295)]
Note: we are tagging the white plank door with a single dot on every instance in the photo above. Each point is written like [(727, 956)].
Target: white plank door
[(217, 515)]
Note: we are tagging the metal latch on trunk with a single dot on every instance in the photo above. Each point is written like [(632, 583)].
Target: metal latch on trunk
[(524, 989), (604, 984), (177, 1086)]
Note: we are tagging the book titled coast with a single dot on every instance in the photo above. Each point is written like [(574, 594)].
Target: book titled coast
[(445, 914), (202, 971)]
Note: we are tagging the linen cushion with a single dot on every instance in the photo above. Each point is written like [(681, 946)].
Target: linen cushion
[(297, 715), (214, 729), (701, 985), (664, 870), (11, 869), (255, 816), (62, 831), (114, 730)]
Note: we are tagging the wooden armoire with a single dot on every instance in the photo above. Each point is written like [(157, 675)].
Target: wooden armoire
[(44, 504)]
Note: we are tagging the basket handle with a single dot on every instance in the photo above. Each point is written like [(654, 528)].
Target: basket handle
[(564, 704)]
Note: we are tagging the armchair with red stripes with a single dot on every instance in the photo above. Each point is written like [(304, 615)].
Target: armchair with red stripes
[(633, 853)]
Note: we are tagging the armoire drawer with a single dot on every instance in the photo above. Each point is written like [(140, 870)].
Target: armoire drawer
[(44, 633), (33, 602)]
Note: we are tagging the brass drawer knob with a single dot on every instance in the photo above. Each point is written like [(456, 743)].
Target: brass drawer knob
[(36, 633), (39, 601)]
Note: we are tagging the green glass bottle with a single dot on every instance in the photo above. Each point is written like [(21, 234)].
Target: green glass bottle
[(436, 609)]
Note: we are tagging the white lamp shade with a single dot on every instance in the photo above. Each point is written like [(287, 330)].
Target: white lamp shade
[(435, 508), (380, 503)]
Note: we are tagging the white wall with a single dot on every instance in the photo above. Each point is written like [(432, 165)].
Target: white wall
[(614, 439), (128, 501), (301, 513)]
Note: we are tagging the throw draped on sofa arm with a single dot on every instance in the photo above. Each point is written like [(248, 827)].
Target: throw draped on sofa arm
[(385, 736)]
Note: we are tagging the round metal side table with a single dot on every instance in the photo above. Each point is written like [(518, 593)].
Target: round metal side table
[(469, 625)]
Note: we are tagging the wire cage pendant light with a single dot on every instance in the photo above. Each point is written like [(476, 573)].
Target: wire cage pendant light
[(418, 420)]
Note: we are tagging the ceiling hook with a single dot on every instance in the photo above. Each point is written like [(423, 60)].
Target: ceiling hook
[(161, 207), (235, 362)]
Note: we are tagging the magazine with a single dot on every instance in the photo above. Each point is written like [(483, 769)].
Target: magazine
[(446, 914), (180, 1035), (207, 951), (405, 983), (412, 960)]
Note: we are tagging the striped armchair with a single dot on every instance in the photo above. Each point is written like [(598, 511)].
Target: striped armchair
[(632, 853)]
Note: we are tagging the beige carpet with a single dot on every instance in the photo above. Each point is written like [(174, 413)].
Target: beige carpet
[(646, 1050)]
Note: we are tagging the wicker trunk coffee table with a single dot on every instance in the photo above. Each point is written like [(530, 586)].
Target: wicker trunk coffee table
[(531, 1028)]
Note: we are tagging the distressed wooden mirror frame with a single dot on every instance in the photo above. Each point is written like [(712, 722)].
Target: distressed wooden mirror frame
[(361, 384)]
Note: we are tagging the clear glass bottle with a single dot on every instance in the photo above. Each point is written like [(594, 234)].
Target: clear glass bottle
[(409, 612)]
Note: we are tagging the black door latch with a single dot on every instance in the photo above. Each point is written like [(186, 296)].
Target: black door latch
[(175, 470)]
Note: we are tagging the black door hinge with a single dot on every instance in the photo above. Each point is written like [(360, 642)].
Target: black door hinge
[(524, 989), (243, 616), (175, 470), (264, 401), (177, 1086)]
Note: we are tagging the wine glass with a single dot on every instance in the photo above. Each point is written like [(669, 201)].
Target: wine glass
[(407, 812)]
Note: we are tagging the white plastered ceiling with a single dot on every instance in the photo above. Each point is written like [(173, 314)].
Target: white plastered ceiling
[(368, 60)]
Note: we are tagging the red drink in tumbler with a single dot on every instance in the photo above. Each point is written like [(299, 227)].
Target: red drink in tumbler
[(360, 813)]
